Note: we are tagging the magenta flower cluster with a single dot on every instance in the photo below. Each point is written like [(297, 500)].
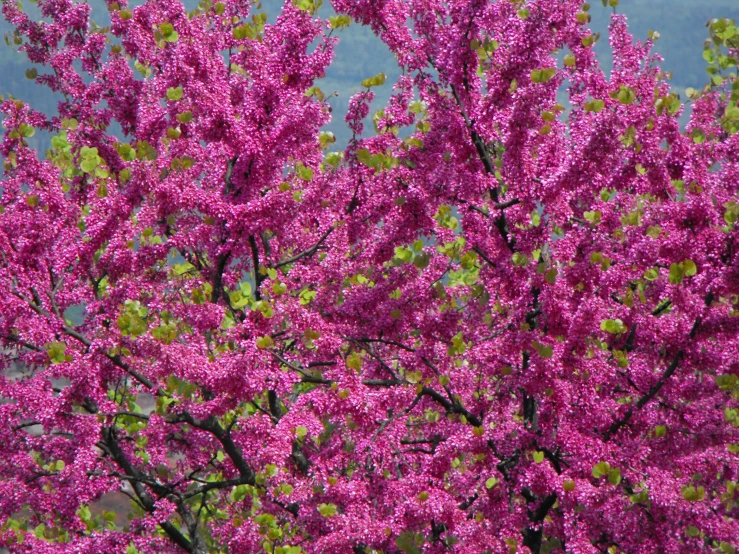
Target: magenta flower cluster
[(504, 320)]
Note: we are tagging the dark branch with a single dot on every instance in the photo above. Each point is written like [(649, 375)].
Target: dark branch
[(500, 222), (218, 277), (258, 278), (309, 252), (451, 407), (616, 425)]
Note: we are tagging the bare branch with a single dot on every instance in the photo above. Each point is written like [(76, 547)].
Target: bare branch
[(309, 252)]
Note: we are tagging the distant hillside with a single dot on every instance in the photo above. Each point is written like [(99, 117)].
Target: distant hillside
[(681, 24), (682, 28)]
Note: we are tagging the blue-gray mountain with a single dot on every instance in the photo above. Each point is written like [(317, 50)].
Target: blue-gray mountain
[(680, 23)]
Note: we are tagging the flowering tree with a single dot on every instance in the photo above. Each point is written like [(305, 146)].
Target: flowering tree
[(498, 324)]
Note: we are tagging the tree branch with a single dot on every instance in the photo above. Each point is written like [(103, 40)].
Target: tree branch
[(309, 252), (218, 277), (656, 387), (500, 221), (451, 407), (229, 446)]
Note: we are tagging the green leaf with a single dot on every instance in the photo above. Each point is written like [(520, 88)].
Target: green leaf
[(538, 457), (614, 476), (692, 531), (490, 483), (131, 324), (416, 107), (732, 212), (593, 217), (689, 268), (174, 93), (596, 105), (432, 416), (654, 231), (625, 95), (698, 136), (339, 21), (613, 326), (60, 142), (307, 296), (238, 493), (677, 273), (421, 261), (693, 494), (458, 345), (519, 259), (376, 81), (544, 350), (126, 152), (84, 513), (325, 138), (239, 33), (264, 342), (364, 156), (245, 288), (56, 352), (307, 5), (651, 274), (185, 117), (305, 173), (181, 269), (354, 361), (407, 543), (731, 113), (403, 254), (327, 510), (145, 151), (265, 308), (601, 469), (26, 131), (238, 299), (89, 153), (542, 75), (88, 166), (414, 377), (333, 158)]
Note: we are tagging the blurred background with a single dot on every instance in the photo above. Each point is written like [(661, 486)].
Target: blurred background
[(680, 24)]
